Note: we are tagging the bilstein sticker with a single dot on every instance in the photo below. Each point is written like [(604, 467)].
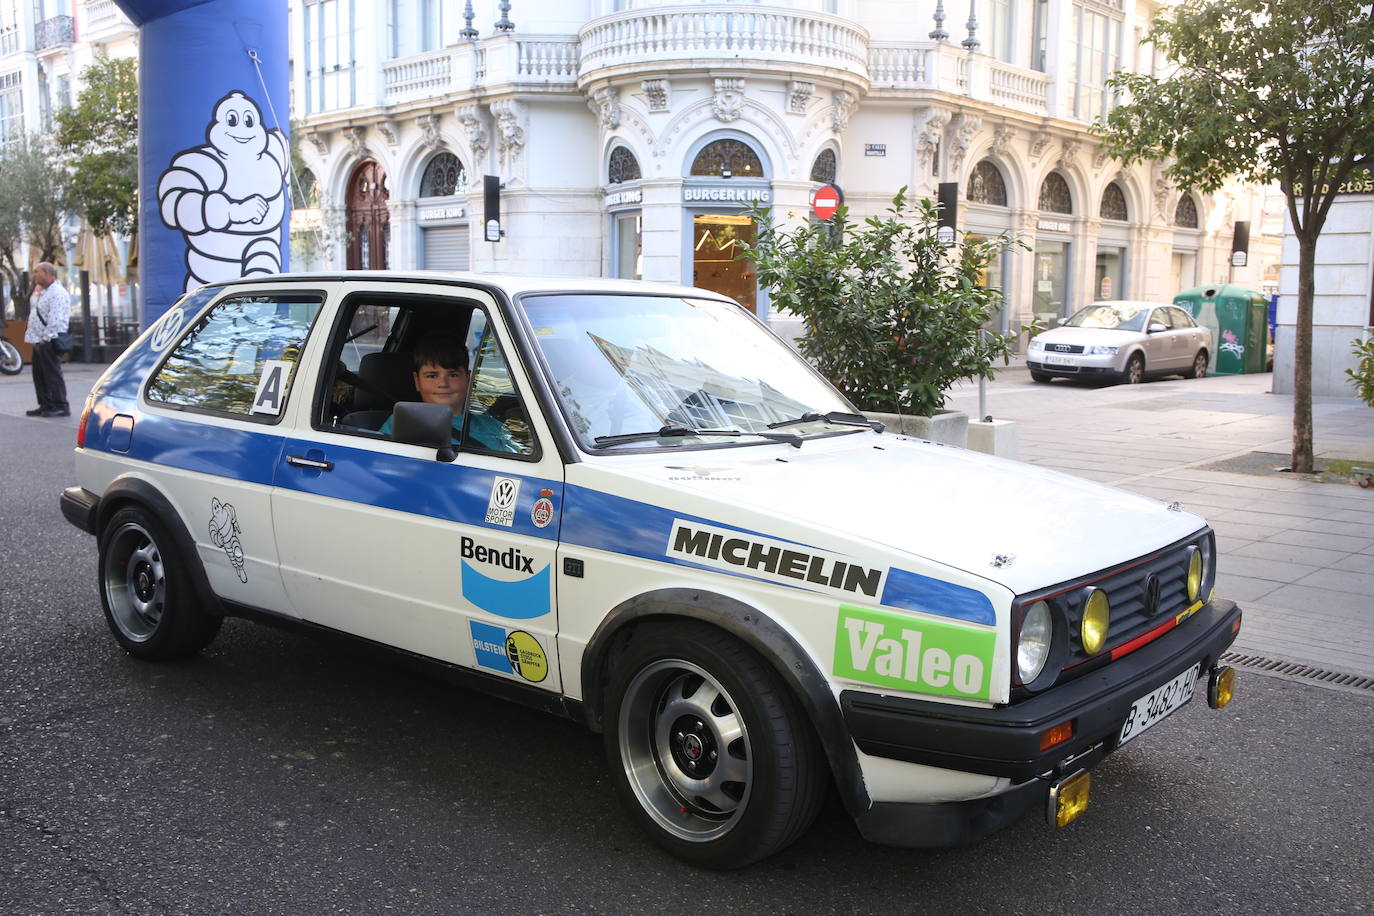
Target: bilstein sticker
[(777, 561), (908, 653), (509, 651)]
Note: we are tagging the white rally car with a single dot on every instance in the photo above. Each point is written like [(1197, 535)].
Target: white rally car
[(644, 511)]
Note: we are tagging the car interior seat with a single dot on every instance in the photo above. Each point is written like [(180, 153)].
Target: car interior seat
[(386, 378)]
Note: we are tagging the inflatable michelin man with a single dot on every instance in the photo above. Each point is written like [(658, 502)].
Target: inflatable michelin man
[(228, 197)]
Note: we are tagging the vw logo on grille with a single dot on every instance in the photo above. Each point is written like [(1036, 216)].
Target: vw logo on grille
[(1151, 595)]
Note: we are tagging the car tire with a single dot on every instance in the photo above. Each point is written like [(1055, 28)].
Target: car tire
[(1135, 370), (708, 748), (1039, 377), (146, 591), (11, 363), (1199, 369)]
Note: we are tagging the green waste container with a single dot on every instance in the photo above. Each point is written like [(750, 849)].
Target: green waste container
[(1238, 319)]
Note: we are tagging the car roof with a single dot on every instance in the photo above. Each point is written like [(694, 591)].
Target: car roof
[(512, 284), (1128, 303)]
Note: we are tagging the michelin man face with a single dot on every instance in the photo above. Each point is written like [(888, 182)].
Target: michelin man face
[(237, 127)]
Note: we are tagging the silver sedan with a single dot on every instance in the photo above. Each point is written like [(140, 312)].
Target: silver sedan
[(1121, 341)]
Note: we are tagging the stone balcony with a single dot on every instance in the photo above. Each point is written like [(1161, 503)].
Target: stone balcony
[(735, 37), (896, 69), (523, 63), (104, 21)]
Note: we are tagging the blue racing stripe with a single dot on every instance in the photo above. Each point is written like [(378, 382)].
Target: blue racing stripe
[(916, 592)]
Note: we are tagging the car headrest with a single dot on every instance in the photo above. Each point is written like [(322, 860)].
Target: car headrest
[(388, 377)]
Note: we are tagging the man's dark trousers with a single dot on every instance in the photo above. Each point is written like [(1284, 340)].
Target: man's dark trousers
[(47, 377)]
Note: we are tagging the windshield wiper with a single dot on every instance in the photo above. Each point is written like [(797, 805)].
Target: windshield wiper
[(839, 418), (682, 432)]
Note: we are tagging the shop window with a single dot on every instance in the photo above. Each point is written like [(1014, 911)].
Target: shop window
[(823, 169), (1185, 213), (1113, 204), (985, 185), (1054, 194), (443, 177), (727, 159), (624, 166)]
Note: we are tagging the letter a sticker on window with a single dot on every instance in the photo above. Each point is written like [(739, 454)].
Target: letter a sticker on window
[(271, 394)]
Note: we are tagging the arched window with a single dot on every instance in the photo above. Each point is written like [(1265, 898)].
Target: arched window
[(985, 185), (624, 166), (1114, 203), (1054, 194), (1185, 214), (823, 169), (727, 159), (443, 177)]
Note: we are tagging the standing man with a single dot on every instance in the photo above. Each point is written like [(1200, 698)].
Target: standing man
[(50, 310)]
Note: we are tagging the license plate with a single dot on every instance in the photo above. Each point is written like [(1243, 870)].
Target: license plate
[(1158, 703), (1060, 360)]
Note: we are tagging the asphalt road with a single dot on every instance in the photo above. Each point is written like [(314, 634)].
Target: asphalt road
[(274, 774)]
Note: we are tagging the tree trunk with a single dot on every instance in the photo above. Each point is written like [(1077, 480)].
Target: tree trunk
[(1302, 459)]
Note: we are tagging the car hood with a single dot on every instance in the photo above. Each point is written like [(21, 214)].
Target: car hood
[(1109, 337), (948, 505)]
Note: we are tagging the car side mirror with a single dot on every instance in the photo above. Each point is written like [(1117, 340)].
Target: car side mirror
[(427, 425), (1061, 321), (1156, 329)]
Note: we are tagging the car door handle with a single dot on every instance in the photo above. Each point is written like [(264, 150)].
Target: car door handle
[(301, 461)]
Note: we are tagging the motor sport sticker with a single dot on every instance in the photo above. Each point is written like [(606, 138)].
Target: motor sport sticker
[(508, 651), (505, 492), (908, 653), (776, 561), (519, 599)]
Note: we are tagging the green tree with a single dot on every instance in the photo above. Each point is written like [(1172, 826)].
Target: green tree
[(893, 316), (33, 205), (1268, 90), (98, 137)]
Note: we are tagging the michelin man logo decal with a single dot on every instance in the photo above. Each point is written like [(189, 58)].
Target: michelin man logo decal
[(225, 531), (228, 196)]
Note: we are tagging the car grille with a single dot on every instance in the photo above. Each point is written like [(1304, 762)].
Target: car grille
[(1063, 348)]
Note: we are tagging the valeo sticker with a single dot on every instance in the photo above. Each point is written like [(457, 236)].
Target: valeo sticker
[(910, 653)]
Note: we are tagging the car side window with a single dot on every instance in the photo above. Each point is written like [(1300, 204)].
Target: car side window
[(1182, 319), (495, 419), (240, 359)]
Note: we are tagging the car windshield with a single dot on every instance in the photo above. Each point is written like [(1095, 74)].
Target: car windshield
[(1114, 316), (634, 366)]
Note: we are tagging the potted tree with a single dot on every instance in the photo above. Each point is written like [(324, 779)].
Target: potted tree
[(894, 316)]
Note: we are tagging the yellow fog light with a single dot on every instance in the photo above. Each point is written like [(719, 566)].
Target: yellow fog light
[(1097, 617), (1221, 686), (1069, 798), (1194, 575)]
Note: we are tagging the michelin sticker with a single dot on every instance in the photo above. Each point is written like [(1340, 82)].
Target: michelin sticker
[(505, 492), (271, 393), (785, 562), (224, 533), (522, 598), (508, 651), (909, 653)]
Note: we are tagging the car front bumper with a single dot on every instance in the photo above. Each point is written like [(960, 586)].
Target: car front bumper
[(1077, 365)]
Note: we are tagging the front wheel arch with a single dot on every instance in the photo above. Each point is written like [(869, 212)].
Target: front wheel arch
[(756, 630)]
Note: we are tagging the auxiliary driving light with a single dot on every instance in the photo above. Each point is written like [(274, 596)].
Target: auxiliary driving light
[(1194, 574), (1221, 685), (1069, 798), (1097, 617)]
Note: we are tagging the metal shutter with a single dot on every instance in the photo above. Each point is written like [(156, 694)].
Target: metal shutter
[(446, 248)]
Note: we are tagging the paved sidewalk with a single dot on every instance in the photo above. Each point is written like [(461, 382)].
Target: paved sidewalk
[(1296, 554)]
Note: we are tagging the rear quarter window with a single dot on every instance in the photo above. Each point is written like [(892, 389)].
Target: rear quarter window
[(240, 359)]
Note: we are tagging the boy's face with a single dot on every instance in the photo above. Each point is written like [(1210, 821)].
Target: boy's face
[(438, 385)]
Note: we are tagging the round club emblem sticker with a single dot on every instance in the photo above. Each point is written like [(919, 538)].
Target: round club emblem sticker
[(542, 511), (527, 656)]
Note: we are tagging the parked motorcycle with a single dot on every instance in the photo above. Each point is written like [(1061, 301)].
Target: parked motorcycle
[(11, 363)]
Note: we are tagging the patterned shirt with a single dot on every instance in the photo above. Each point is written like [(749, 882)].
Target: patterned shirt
[(54, 304)]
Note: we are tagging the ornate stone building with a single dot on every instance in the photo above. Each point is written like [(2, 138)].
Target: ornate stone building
[(631, 136)]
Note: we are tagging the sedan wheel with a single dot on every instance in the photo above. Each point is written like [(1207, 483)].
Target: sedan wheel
[(1200, 364), (1135, 370)]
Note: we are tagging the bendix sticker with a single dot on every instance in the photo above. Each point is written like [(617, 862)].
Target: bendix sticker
[(542, 511)]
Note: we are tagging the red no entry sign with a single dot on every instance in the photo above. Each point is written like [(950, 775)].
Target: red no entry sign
[(825, 201)]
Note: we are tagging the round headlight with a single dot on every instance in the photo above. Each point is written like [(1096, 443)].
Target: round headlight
[(1097, 618), (1194, 574), (1033, 649)]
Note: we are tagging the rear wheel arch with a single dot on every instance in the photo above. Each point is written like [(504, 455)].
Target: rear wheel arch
[(759, 632)]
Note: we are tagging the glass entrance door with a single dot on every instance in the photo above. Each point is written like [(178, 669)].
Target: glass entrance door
[(1051, 281), (716, 240)]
